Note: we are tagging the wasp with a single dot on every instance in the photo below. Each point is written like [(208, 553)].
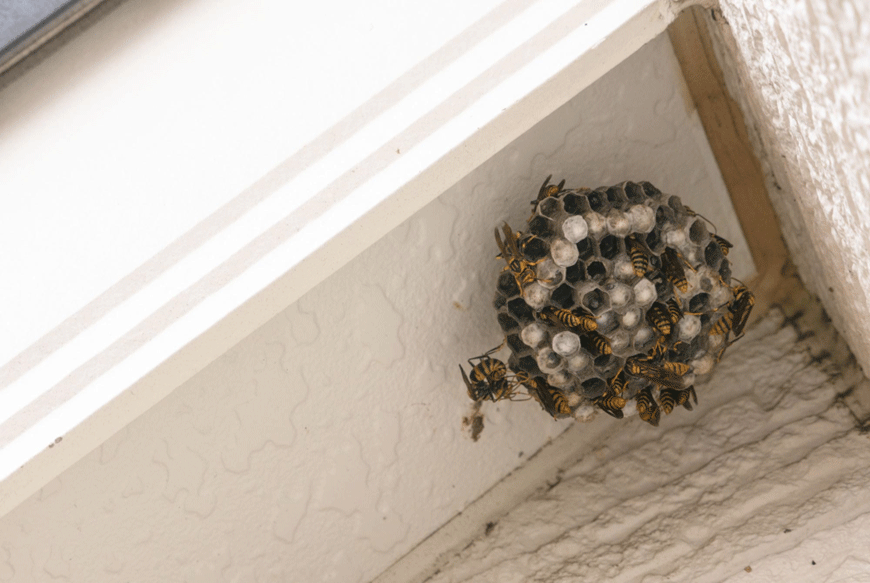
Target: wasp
[(647, 408), (488, 378), (678, 368), (674, 310), (516, 263), (724, 324), (741, 308), (670, 398), (611, 404), (581, 322), (639, 258), (551, 398), (639, 366), (547, 190), (659, 317), (737, 315), (659, 349), (672, 265), (618, 382), (595, 343), (724, 244)]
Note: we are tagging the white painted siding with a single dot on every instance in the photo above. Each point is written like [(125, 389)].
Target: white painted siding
[(803, 71)]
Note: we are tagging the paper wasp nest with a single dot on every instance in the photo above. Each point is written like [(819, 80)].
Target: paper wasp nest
[(612, 298)]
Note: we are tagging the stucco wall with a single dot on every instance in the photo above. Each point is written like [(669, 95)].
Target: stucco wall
[(330, 442), (802, 71), (764, 482)]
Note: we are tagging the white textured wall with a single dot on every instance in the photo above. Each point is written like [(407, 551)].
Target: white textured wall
[(804, 73), (330, 441), (765, 482)]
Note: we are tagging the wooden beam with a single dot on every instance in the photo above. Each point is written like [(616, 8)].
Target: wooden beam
[(725, 126)]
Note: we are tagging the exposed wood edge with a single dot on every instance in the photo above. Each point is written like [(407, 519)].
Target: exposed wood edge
[(725, 127)]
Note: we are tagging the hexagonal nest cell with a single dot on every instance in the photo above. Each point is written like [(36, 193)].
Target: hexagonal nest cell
[(612, 298)]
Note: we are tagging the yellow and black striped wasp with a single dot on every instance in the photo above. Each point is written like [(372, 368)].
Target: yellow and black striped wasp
[(488, 379), (678, 368), (595, 343), (517, 264), (675, 312), (640, 366), (737, 315), (741, 307), (724, 244), (670, 398), (579, 320), (672, 265), (638, 254), (547, 190), (659, 318), (552, 399), (647, 408), (612, 402)]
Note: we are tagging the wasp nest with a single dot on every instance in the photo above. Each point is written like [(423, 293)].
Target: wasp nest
[(612, 298)]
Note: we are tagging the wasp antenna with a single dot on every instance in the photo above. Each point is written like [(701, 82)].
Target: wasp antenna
[(464, 376), (715, 228), (496, 349), (546, 183), (503, 252)]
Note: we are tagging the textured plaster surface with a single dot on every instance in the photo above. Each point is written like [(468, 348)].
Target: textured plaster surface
[(763, 482), (330, 441), (803, 71)]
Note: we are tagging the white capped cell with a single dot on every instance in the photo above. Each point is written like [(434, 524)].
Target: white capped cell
[(644, 292), (703, 365), (716, 340), (549, 274), (584, 413), (674, 238), (618, 223), (705, 272), (575, 228), (688, 327), (548, 361), (597, 225), (643, 336), (620, 295), (623, 269), (693, 279), (564, 252), (578, 362), (534, 334), (631, 318), (566, 343), (642, 217), (560, 379), (619, 341), (630, 409), (720, 294), (573, 399), (536, 295), (606, 322)]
